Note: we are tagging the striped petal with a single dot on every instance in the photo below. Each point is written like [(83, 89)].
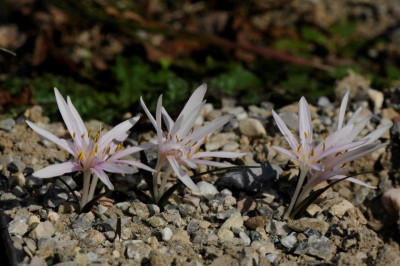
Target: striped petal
[(103, 177), (57, 170), (290, 138), (182, 175)]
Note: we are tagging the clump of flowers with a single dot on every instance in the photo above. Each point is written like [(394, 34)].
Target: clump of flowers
[(327, 160), (181, 144), (93, 155)]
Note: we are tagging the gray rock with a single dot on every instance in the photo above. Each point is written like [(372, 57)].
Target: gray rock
[(166, 234), (140, 209), (156, 221), (279, 228), (289, 241), (67, 179), (43, 229), (271, 257), (192, 227), (138, 252), (17, 227), (84, 221), (153, 209), (302, 224), (186, 209), (207, 190), (250, 179), (46, 243), (252, 127), (317, 247), (290, 119), (246, 240), (325, 103), (235, 220), (123, 206), (171, 215), (7, 124)]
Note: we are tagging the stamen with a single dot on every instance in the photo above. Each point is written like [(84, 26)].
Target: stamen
[(293, 132), (324, 136), (337, 154), (102, 128), (81, 155), (197, 150), (92, 153), (304, 155), (119, 147), (305, 134), (96, 138), (177, 140), (299, 148), (205, 139), (89, 133), (323, 146), (96, 148), (187, 142), (312, 152), (73, 135), (108, 149), (188, 155), (343, 165), (82, 136)]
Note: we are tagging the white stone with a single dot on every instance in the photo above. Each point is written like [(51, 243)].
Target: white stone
[(207, 190), (252, 127), (166, 234)]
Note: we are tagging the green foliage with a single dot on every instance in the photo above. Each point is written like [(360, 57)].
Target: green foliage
[(343, 29), (238, 82), (313, 35), (136, 78)]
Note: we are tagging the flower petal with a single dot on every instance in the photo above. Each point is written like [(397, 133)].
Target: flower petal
[(158, 121), (77, 118), (188, 121), (181, 175), (117, 132), (57, 170), (169, 123), (355, 116), (285, 131), (212, 163), (116, 168), (285, 152), (137, 165), (305, 125), (195, 99), (376, 134), (131, 150), (353, 180), (208, 129), (342, 110), (103, 177), (218, 154), (66, 114), (149, 115), (66, 145)]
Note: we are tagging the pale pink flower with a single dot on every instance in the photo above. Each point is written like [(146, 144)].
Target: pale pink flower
[(99, 155), (181, 144)]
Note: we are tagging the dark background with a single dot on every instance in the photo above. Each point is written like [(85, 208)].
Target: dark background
[(105, 54)]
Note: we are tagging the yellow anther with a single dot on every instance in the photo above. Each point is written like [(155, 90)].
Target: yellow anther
[(92, 153), (177, 140), (82, 136), (312, 152), (304, 155), (305, 134), (343, 165), (293, 132), (74, 135), (96, 138), (197, 150), (324, 136), (187, 142), (89, 134), (81, 155), (119, 147), (102, 128), (299, 148), (188, 155), (323, 146), (337, 154), (96, 148), (205, 139), (108, 149)]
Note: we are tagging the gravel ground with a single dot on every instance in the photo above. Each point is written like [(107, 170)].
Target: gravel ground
[(236, 220)]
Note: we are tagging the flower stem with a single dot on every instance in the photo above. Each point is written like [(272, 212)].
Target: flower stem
[(303, 173), (92, 187), (85, 190), (164, 182), (155, 179)]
